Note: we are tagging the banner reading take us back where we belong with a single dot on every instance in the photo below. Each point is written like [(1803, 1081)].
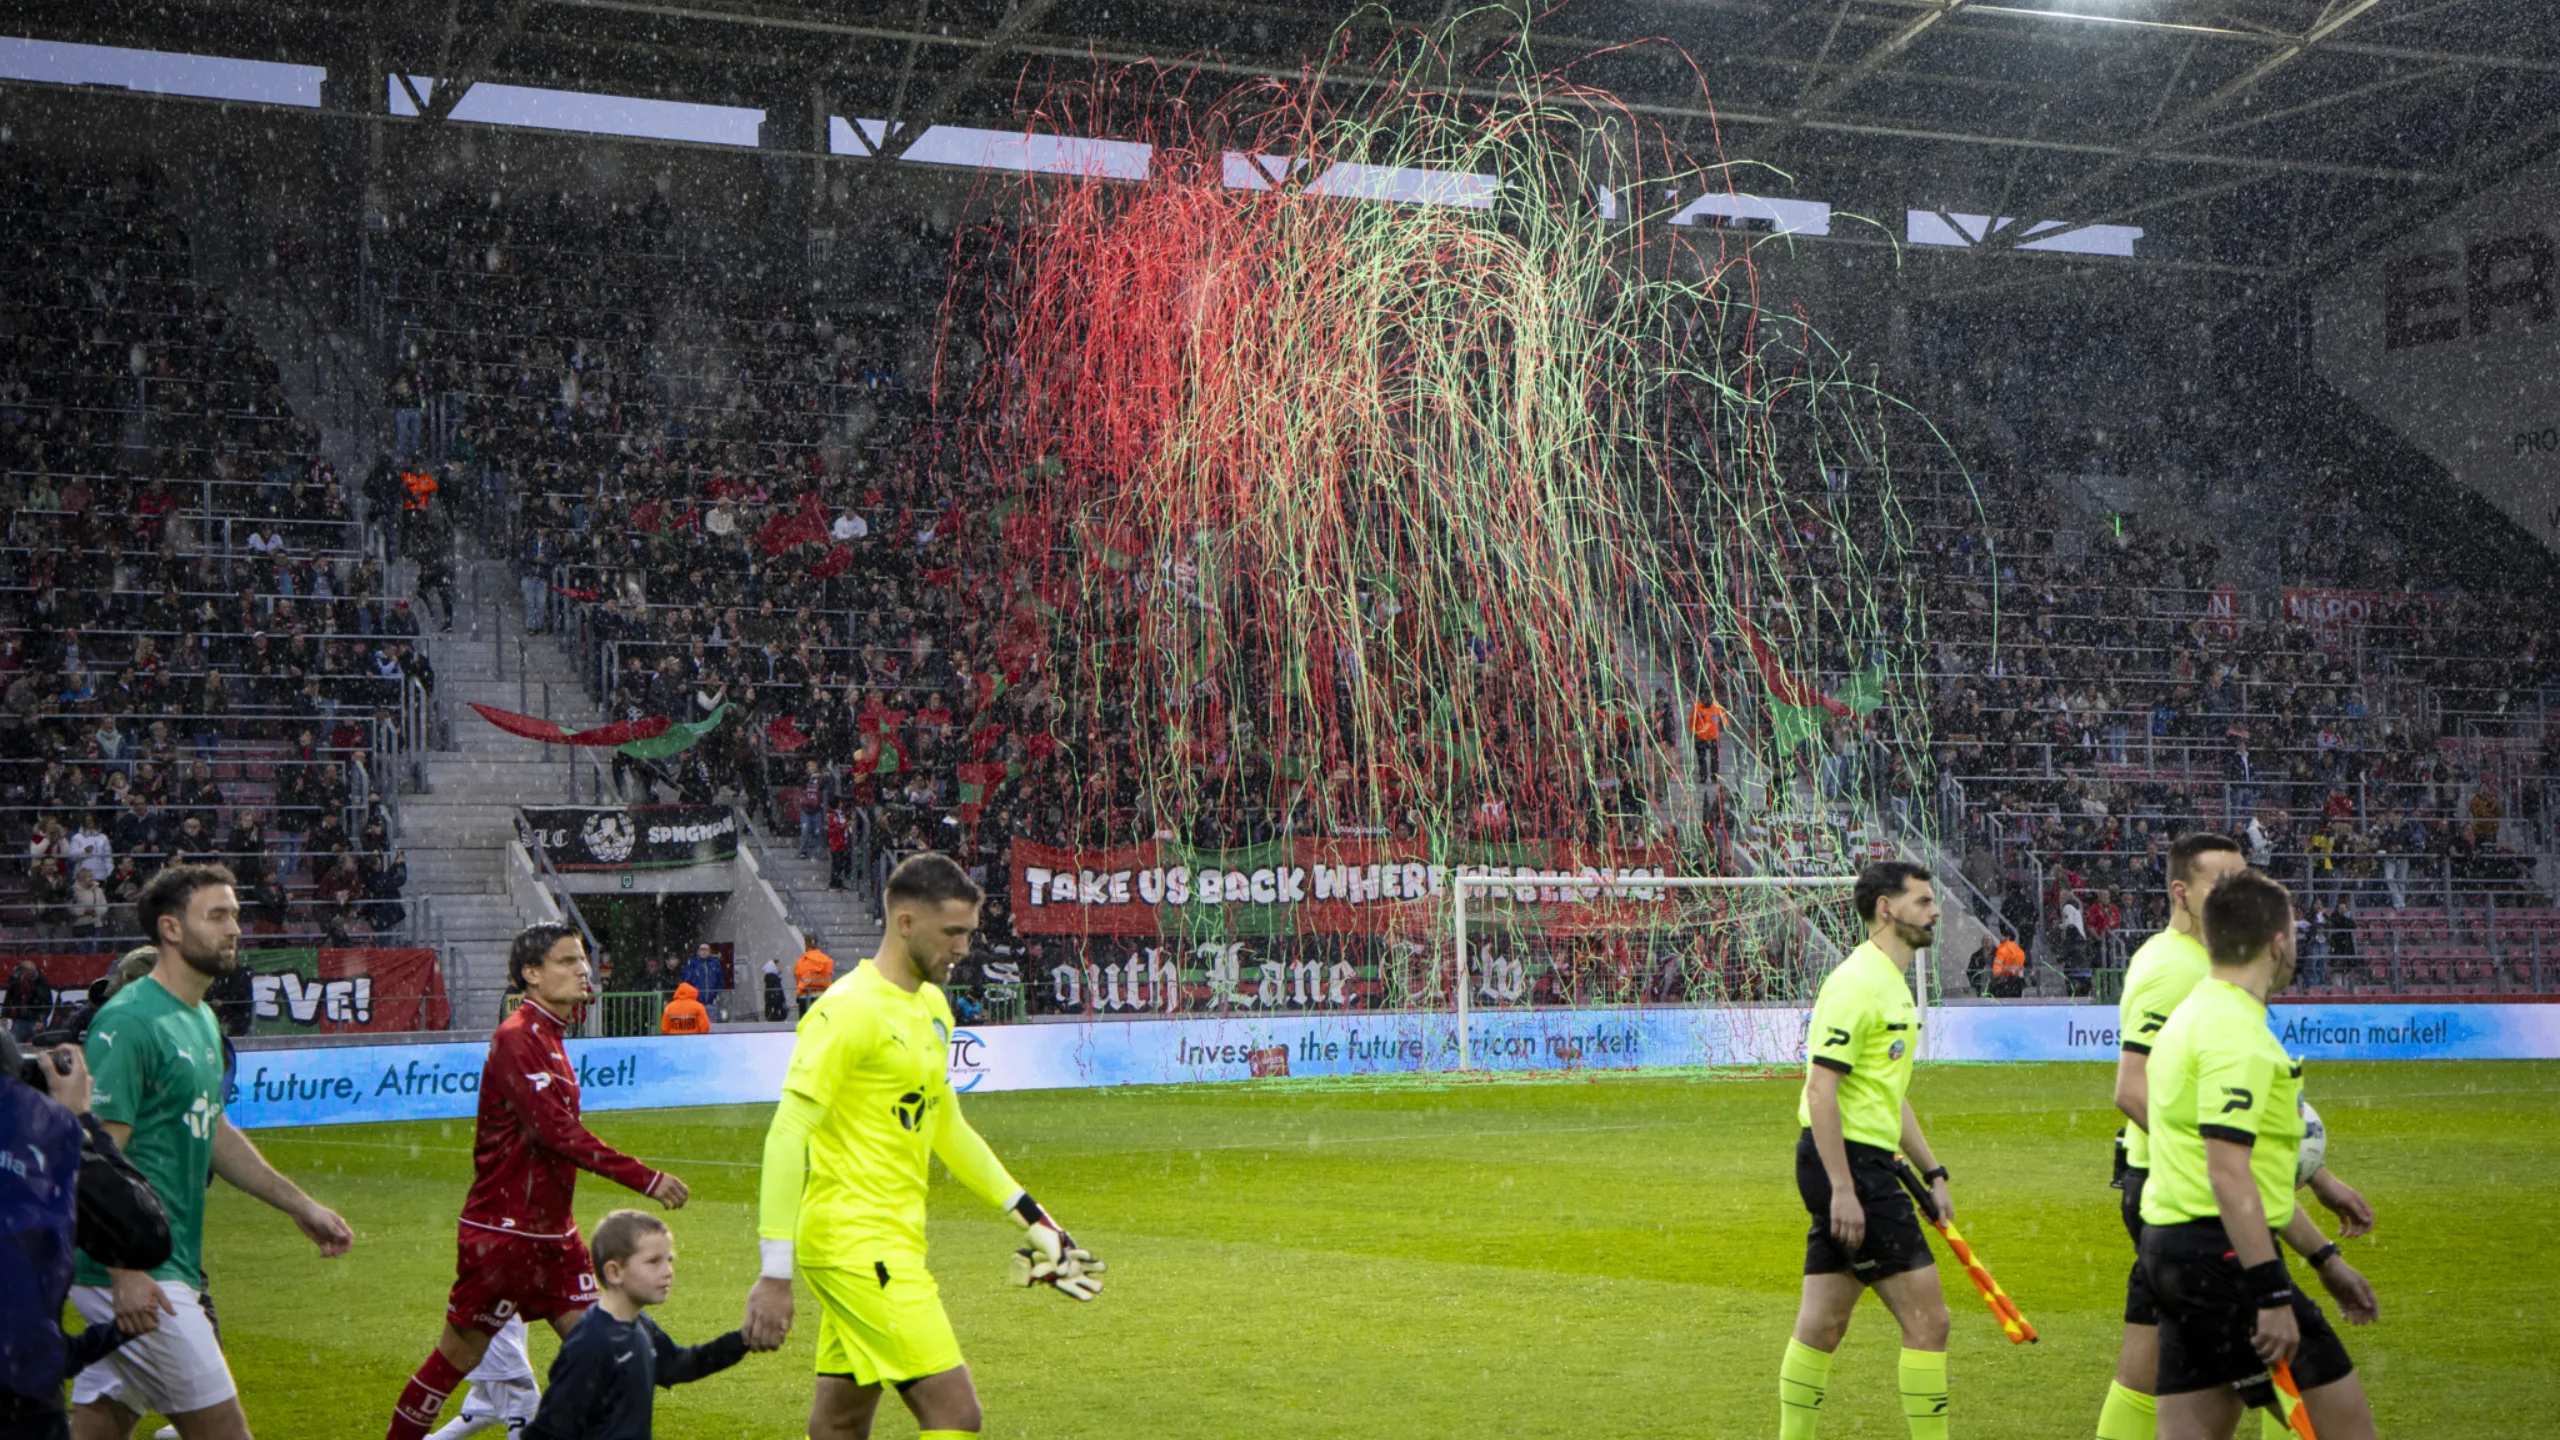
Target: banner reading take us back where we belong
[(1305, 886)]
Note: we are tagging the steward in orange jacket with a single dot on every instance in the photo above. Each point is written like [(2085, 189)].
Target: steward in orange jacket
[(814, 971), (685, 1015)]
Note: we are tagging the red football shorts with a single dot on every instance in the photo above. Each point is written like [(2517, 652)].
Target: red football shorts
[(498, 1274)]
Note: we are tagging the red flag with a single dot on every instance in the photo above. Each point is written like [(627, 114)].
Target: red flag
[(784, 735), (801, 527), (620, 732), (832, 565), (644, 518), (525, 725)]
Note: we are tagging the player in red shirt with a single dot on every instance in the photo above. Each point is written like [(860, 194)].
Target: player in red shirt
[(519, 1251)]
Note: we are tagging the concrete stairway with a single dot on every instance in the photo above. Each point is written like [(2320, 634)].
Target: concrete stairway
[(847, 928), (456, 831)]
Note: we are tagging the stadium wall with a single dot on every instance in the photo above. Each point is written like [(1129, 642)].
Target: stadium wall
[(357, 1083)]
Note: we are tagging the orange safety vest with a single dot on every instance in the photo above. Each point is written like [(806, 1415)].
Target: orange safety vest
[(815, 970), (2009, 959), (421, 486), (1706, 720)]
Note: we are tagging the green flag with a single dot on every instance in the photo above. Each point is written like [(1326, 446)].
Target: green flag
[(1795, 724), (676, 739), (1864, 691)]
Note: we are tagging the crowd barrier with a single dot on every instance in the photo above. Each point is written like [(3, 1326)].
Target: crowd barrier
[(358, 1083)]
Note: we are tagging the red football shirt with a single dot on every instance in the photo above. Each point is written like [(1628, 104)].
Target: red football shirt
[(531, 1144)]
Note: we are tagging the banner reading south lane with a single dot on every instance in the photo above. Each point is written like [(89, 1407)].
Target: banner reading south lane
[(630, 837), (353, 1084)]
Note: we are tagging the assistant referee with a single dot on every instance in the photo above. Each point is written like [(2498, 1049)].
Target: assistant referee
[(2226, 1137), (1859, 1045)]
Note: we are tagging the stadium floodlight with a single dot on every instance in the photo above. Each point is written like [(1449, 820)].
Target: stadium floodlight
[(1635, 888)]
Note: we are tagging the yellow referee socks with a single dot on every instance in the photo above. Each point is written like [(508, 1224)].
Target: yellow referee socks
[(2128, 1415), (1924, 1393), (946, 1435), (1802, 1377)]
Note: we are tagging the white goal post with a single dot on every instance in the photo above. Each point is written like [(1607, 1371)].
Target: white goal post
[(1461, 884)]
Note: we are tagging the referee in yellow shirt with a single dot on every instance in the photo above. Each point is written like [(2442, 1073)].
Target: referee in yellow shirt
[(2158, 979), (1865, 1234), (867, 1098), (2226, 1139)]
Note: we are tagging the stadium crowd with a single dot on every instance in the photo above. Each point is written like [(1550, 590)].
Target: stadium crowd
[(197, 654), (723, 499)]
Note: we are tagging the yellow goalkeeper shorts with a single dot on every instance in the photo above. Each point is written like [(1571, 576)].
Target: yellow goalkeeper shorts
[(882, 1325)]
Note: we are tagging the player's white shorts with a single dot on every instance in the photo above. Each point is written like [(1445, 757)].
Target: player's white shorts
[(175, 1369)]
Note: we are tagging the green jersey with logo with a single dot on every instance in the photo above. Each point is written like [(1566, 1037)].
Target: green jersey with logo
[(1865, 1026), (157, 1061), (2218, 1073), (2157, 979)]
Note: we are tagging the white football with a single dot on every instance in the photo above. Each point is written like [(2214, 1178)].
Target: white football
[(2315, 1146)]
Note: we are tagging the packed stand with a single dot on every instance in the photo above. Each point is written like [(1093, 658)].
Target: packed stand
[(196, 658)]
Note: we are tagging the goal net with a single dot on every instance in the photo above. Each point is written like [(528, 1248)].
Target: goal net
[(1685, 970)]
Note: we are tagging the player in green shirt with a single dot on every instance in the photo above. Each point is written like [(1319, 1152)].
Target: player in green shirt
[(2225, 1123), (2161, 974), (866, 1105), (156, 1053), (1859, 1044)]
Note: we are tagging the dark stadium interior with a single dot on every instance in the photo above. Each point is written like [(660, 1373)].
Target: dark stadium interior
[(233, 331)]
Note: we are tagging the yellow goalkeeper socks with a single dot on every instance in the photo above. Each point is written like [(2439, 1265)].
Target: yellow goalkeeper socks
[(1924, 1393), (2128, 1415), (1802, 1377)]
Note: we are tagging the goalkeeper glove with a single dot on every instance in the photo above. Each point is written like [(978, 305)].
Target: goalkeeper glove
[(1053, 1257)]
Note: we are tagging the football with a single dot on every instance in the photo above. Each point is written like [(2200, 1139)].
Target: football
[(2315, 1146)]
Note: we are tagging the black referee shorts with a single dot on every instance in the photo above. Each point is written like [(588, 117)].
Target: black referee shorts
[(2208, 1317), (1893, 1243), (2139, 1307)]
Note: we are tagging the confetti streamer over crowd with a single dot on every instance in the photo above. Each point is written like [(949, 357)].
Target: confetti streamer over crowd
[(1384, 473)]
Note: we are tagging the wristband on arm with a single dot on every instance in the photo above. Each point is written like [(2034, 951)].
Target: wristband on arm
[(2271, 1284)]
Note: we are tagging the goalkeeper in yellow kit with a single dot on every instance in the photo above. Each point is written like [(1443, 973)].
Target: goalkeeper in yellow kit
[(867, 1096)]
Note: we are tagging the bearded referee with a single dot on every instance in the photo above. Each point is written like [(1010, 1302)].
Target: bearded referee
[(2160, 976), (1865, 1233), (867, 1098), (2226, 1136)]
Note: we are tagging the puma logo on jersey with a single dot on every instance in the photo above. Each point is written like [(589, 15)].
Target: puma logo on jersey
[(2239, 1099)]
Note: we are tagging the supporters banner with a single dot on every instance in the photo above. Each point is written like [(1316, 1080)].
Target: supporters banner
[(336, 1085), (1513, 967), (2333, 616), (1305, 887), (331, 991), (630, 837)]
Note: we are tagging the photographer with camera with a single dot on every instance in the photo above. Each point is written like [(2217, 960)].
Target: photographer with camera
[(72, 1187)]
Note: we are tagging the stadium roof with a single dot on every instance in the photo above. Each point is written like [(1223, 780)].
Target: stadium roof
[(2246, 138)]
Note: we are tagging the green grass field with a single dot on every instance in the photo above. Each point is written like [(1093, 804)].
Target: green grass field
[(1567, 1256)]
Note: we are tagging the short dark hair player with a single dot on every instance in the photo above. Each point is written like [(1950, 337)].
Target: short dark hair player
[(518, 1251)]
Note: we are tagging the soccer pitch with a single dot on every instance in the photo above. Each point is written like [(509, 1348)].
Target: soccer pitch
[(1570, 1255)]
